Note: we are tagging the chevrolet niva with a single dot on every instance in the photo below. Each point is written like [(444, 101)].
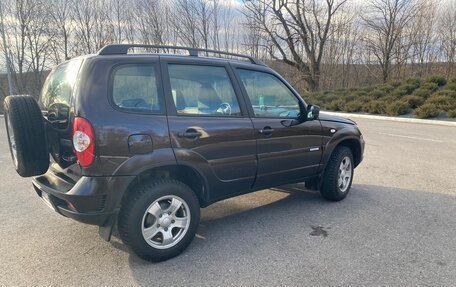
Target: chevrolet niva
[(143, 140)]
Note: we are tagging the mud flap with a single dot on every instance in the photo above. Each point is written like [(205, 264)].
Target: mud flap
[(106, 230)]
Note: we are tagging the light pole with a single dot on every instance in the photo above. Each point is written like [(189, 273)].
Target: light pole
[(8, 71)]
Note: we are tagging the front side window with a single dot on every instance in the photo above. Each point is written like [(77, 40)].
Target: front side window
[(269, 96), (134, 89), (202, 90)]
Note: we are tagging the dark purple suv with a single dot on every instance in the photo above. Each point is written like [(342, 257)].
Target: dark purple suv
[(144, 140)]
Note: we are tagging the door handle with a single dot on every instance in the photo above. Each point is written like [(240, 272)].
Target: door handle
[(266, 131), (190, 134)]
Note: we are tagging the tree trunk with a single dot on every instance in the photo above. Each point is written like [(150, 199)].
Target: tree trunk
[(313, 82)]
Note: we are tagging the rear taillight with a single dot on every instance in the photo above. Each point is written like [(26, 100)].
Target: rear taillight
[(83, 141)]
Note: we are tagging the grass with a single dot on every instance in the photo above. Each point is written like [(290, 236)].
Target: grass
[(425, 98)]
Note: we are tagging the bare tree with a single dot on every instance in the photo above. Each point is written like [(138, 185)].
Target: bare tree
[(447, 35), (185, 22), (103, 24), (216, 11), (60, 16), (340, 49), (230, 27), (39, 39), (298, 30), (151, 21), (386, 21), (316, 44), (204, 12), (19, 9), (92, 25), (29, 36), (423, 36), (83, 17), (118, 19), (253, 36), (5, 50)]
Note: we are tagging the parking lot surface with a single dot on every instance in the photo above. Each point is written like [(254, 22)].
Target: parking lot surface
[(396, 227)]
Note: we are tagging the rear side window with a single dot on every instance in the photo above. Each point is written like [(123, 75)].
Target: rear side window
[(203, 90), (57, 93), (134, 88)]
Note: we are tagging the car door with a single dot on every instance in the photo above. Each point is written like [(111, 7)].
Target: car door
[(209, 125), (285, 153)]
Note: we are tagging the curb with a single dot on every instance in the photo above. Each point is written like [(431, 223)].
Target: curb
[(394, 119)]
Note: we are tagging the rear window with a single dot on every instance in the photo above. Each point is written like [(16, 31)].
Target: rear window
[(57, 92), (134, 89)]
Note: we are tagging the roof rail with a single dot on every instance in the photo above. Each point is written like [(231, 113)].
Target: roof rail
[(120, 49)]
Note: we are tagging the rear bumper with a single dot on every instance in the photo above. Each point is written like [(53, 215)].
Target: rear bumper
[(91, 200)]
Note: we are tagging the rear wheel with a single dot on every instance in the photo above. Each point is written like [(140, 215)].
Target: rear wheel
[(26, 135), (338, 175), (159, 219)]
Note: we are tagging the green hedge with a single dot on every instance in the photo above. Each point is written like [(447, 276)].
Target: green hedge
[(426, 98)]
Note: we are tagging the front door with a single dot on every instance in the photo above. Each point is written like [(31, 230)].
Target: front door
[(285, 153), (209, 127)]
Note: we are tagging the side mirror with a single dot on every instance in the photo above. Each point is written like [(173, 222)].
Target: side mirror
[(299, 119), (312, 112)]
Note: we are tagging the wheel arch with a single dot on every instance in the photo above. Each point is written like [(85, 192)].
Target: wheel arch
[(355, 146), (183, 173), (344, 138)]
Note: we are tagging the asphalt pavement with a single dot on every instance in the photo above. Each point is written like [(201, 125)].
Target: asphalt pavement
[(396, 227)]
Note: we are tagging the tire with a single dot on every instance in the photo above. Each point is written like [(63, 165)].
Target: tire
[(26, 135), (143, 225), (331, 187)]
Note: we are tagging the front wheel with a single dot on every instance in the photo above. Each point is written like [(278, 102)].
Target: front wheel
[(338, 175), (159, 219)]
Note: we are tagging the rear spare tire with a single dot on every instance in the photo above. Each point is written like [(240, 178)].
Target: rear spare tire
[(26, 135)]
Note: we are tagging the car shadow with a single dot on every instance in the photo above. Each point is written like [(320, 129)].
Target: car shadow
[(262, 209), (252, 204), (286, 223)]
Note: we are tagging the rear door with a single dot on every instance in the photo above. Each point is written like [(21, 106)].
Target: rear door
[(208, 123), (285, 154), (56, 99)]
